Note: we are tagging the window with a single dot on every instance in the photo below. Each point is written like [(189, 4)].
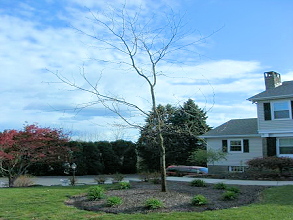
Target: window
[(285, 146), (281, 110), (237, 169), (235, 145)]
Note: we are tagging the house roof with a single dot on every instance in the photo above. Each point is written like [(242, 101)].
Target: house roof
[(234, 127), (283, 91)]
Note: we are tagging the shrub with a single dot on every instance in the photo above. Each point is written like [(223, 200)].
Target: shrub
[(124, 185), (118, 177), (153, 203), (272, 163), (199, 200), (100, 179), (114, 201), (220, 186), (156, 177), (96, 193), (23, 181), (198, 183), (229, 195), (73, 181), (145, 176), (233, 189)]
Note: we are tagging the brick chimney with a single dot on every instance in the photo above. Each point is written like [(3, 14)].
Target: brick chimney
[(272, 80)]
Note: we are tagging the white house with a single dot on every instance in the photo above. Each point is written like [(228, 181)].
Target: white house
[(270, 134)]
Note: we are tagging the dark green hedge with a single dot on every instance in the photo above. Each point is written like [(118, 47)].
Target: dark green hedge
[(94, 158)]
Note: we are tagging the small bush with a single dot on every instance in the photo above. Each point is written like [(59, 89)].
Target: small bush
[(124, 185), (23, 181), (153, 203), (145, 176), (100, 179), (118, 177), (73, 181), (96, 193), (199, 200), (233, 189), (220, 186), (114, 201), (229, 195), (198, 183)]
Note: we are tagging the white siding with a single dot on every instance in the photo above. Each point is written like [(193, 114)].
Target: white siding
[(271, 126), (237, 159)]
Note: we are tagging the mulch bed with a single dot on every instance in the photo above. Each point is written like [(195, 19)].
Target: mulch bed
[(177, 199)]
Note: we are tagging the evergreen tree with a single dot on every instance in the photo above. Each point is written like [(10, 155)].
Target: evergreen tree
[(181, 128)]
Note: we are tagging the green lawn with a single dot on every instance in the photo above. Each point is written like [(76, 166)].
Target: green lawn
[(48, 203)]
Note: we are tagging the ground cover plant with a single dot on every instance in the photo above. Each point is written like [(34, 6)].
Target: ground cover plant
[(48, 203), (114, 201), (95, 193), (220, 186), (199, 200), (229, 195), (153, 203), (124, 185), (198, 183)]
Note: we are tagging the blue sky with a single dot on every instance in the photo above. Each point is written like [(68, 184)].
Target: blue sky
[(246, 39)]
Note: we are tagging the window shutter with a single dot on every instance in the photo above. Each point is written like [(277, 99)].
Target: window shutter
[(292, 108), (246, 146), (267, 111), (271, 146), (225, 146)]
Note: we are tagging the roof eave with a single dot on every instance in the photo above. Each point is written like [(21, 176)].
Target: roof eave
[(228, 136), (270, 97)]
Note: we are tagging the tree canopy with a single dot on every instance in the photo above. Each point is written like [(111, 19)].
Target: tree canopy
[(181, 127)]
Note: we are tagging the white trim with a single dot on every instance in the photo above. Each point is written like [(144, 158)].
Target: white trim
[(276, 134), (231, 136)]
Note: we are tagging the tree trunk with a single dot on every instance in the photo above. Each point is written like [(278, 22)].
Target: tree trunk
[(11, 180), (163, 163)]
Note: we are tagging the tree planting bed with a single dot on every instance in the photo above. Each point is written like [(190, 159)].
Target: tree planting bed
[(177, 199)]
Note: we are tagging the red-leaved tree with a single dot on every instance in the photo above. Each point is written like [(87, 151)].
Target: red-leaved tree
[(20, 149)]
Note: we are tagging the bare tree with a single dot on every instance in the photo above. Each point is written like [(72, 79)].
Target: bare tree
[(143, 45)]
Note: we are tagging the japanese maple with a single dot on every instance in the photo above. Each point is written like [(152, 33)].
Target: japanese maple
[(21, 148)]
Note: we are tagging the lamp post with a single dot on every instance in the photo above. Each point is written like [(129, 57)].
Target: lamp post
[(73, 167)]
